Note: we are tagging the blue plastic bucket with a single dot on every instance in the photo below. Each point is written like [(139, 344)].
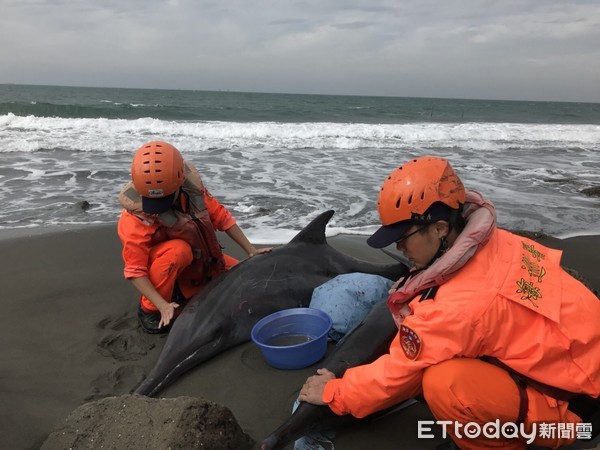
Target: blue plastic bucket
[(293, 338)]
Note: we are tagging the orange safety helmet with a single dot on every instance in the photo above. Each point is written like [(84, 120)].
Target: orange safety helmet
[(415, 186), (157, 174), (426, 184)]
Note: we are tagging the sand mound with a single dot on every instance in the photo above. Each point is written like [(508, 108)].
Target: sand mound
[(135, 421)]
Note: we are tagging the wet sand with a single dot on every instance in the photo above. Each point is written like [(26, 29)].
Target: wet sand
[(70, 336)]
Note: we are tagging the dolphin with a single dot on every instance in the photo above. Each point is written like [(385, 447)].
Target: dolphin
[(364, 344), (223, 313)]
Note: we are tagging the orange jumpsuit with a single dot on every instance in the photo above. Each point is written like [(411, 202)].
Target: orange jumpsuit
[(148, 250), (511, 301)]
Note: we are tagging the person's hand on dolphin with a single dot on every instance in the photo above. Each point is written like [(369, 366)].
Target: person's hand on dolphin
[(312, 391), (394, 286), (260, 251), (167, 311)]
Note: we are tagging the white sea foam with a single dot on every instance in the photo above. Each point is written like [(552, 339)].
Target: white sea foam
[(275, 177)]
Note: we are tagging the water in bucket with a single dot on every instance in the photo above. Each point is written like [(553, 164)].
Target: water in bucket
[(285, 340)]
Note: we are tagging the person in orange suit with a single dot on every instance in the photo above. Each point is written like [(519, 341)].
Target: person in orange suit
[(491, 329), (168, 230)]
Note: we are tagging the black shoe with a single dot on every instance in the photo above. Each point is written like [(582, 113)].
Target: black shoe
[(149, 322), (178, 298)]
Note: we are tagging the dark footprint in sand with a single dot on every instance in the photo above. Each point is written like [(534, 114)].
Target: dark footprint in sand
[(122, 338), (124, 347), (121, 381), (126, 321)]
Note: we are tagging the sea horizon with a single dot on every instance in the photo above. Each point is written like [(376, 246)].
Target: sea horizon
[(235, 91)]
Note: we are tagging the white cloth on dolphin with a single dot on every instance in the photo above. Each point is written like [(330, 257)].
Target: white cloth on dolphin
[(314, 441), (348, 298)]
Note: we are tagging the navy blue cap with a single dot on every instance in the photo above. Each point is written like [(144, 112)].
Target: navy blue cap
[(388, 234)]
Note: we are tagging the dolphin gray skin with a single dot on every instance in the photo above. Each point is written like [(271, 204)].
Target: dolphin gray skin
[(364, 344), (223, 313)]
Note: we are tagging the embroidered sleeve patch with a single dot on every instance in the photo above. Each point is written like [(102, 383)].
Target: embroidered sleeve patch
[(410, 342)]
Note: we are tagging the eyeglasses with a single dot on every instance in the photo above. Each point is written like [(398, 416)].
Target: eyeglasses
[(406, 236)]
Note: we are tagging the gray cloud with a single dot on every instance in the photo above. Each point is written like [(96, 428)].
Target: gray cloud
[(470, 48)]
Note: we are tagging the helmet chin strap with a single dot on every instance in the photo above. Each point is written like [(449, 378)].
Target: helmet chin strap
[(441, 250), (444, 246)]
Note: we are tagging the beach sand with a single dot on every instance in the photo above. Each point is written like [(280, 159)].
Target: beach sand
[(71, 337)]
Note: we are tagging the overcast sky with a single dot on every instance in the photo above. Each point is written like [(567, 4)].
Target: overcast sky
[(504, 49)]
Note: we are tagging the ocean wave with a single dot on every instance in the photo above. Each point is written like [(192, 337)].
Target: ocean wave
[(32, 133)]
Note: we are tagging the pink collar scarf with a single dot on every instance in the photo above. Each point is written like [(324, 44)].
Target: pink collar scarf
[(480, 216)]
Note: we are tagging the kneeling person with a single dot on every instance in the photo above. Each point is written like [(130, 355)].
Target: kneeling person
[(168, 229)]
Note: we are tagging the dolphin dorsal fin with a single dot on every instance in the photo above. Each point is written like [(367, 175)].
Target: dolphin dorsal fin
[(314, 232)]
